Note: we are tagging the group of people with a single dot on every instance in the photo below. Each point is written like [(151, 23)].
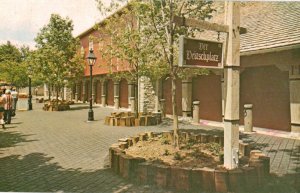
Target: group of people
[(8, 104)]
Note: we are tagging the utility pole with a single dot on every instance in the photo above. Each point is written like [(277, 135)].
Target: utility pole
[(232, 78)]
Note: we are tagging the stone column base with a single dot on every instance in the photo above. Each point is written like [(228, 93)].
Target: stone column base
[(116, 101), (295, 128), (103, 100), (93, 99), (186, 113), (76, 97), (132, 104), (83, 98)]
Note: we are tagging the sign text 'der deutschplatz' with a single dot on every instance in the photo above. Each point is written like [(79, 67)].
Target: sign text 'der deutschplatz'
[(200, 53)]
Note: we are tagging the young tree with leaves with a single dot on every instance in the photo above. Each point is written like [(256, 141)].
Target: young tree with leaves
[(56, 58), (127, 52), (12, 66), (155, 23)]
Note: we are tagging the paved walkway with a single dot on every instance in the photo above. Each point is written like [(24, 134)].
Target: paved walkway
[(59, 151)]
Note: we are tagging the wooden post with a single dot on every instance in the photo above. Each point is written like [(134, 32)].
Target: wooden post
[(157, 96), (231, 119), (117, 94), (103, 93)]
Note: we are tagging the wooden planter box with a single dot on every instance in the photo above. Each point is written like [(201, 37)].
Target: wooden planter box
[(245, 179), (54, 106), (128, 119)]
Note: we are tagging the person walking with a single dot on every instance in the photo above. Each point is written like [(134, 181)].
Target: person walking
[(2, 103), (36, 91), (15, 97), (7, 106)]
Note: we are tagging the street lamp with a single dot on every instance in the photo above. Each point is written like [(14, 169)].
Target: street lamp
[(30, 96), (91, 60)]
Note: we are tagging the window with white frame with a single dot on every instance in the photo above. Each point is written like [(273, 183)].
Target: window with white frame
[(91, 45), (82, 51)]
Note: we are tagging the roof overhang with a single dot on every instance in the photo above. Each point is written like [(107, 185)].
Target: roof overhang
[(101, 22), (296, 45)]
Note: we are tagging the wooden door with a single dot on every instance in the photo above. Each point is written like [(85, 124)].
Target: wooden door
[(123, 93), (267, 88), (110, 93), (207, 90)]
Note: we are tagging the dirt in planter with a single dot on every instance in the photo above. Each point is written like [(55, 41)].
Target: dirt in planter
[(191, 154)]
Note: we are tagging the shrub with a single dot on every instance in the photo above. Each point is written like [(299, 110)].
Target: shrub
[(177, 156), (165, 141), (166, 152), (197, 153), (214, 148)]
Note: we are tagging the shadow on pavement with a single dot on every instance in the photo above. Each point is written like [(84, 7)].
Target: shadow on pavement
[(35, 173), (74, 108), (16, 123), (11, 139), (281, 184)]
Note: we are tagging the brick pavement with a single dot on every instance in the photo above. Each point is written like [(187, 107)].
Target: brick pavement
[(59, 151)]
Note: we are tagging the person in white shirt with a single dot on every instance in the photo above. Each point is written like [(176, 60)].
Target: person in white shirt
[(2, 103), (15, 97), (7, 106)]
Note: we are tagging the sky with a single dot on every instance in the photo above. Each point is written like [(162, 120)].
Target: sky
[(21, 20)]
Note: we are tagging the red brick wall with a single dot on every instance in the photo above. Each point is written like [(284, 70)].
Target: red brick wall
[(101, 66)]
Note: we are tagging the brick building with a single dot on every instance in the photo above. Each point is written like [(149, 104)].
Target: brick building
[(270, 72)]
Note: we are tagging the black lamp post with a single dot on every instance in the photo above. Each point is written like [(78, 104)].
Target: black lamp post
[(91, 60), (29, 85)]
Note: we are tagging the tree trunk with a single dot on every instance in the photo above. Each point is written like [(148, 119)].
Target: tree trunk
[(136, 101), (175, 117), (57, 92), (49, 92), (173, 76)]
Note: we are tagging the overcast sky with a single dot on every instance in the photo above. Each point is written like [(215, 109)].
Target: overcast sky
[(21, 20)]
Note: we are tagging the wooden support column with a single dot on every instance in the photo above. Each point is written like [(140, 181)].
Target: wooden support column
[(231, 119), (65, 93), (117, 94), (46, 91), (223, 94), (187, 97), (103, 94), (77, 91), (83, 91), (294, 76), (158, 95), (131, 96)]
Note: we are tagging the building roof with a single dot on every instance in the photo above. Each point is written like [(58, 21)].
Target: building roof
[(270, 25), (94, 27)]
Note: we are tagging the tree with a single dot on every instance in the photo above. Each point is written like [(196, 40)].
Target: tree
[(56, 58), (127, 49), (12, 67), (156, 26)]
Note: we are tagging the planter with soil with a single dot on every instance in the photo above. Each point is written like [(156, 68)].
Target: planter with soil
[(129, 119), (150, 158), (55, 105)]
